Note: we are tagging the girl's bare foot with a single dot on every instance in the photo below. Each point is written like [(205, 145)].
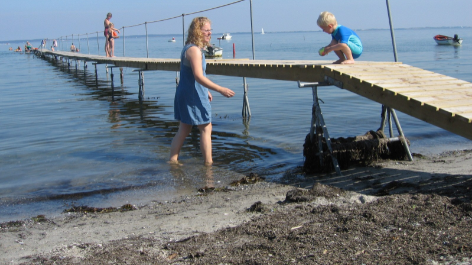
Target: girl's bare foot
[(347, 62), (175, 162)]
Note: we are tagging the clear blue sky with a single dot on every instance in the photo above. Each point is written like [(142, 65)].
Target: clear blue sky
[(30, 19)]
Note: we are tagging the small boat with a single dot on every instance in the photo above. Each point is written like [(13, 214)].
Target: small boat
[(446, 40), (172, 40), (262, 31), (226, 36), (213, 51)]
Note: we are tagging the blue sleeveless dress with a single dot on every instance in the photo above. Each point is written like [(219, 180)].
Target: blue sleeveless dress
[(191, 103)]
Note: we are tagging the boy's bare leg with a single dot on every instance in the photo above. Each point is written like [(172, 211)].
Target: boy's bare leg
[(340, 56), (348, 53), (344, 53)]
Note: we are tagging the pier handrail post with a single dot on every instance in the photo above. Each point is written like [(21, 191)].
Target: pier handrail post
[(387, 112), (183, 30), (88, 45), (78, 39), (392, 33), (252, 33), (147, 45), (98, 45), (123, 41)]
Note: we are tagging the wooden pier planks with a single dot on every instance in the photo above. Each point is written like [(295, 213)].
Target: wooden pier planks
[(437, 99)]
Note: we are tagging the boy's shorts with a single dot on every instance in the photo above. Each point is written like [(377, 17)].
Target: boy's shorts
[(356, 50)]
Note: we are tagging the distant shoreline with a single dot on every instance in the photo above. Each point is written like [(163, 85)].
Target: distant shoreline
[(257, 32)]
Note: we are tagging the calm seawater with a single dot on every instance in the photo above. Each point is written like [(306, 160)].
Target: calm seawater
[(67, 141)]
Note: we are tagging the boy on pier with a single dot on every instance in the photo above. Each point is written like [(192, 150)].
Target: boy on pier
[(345, 42)]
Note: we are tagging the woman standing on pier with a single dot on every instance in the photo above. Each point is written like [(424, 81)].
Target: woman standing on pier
[(106, 23), (192, 98)]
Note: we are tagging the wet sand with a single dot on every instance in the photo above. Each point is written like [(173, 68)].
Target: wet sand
[(192, 229)]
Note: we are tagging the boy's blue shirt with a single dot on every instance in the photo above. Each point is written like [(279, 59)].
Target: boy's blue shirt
[(346, 35)]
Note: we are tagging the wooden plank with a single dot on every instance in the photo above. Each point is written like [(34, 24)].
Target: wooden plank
[(437, 93)]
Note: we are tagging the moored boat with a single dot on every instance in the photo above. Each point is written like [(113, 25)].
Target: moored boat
[(213, 51), (172, 40), (446, 40), (226, 36)]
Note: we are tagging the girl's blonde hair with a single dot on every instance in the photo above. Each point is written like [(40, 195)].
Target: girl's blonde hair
[(195, 34), (326, 18)]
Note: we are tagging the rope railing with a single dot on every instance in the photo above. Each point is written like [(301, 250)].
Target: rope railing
[(140, 24)]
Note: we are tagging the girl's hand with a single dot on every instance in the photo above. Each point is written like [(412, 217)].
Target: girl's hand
[(210, 97), (227, 92)]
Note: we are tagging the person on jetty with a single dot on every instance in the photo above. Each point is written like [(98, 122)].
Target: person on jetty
[(345, 42), (111, 39), (28, 46), (72, 47), (192, 98), (106, 23)]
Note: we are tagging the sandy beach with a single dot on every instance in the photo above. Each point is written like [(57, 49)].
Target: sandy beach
[(393, 212)]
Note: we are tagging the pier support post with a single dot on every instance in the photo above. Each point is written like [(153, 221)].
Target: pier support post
[(121, 75), (112, 83), (318, 125), (140, 83), (387, 114), (246, 112), (96, 74)]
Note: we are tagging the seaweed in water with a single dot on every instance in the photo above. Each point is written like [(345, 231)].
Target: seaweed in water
[(87, 209), (362, 150)]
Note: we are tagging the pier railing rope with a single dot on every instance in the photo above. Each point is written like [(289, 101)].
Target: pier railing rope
[(145, 25)]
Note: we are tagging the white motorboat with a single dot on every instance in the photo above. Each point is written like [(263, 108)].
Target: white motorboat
[(226, 36), (213, 51), (446, 40), (172, 40)]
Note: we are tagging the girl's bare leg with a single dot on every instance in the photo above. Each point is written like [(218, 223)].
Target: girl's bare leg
[(205, 143), (112, 48), (107, 46), (178, 141)]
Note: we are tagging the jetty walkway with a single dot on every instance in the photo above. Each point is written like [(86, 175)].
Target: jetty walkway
[(440, 100)]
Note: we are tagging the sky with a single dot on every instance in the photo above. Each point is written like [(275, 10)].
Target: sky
[(28, 19)]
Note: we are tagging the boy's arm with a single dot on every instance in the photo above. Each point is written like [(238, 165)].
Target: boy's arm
[(330, 46)]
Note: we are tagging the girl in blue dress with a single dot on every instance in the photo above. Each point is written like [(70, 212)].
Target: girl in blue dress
[(192, 98)]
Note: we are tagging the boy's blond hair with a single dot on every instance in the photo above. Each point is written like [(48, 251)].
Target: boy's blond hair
[(326, 18)]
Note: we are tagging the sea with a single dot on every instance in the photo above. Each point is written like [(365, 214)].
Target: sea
[(68, 139)]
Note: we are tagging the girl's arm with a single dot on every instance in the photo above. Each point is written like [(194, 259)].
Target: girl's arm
[(194, 55)]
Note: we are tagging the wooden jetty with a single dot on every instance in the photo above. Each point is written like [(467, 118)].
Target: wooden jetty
[(434, 98)]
